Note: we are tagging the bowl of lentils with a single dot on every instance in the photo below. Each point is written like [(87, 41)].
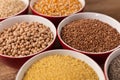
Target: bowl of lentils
[(112, 66), (9, 8), (60, 65), (56, 10), (24, 36), (94, 34)]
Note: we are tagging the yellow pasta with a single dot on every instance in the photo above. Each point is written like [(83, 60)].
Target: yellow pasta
[(59, 67)]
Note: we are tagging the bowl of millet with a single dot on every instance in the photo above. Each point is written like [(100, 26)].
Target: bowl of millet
[(112, 66), (60, 64), (9, 8), (56, 10), (24, 36), (93, 34)]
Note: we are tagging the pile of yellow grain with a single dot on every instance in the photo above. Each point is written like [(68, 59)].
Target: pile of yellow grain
[(57, 7), (59, 67)]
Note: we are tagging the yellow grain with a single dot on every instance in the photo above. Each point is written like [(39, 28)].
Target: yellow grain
[(57, 7), (59, 67)]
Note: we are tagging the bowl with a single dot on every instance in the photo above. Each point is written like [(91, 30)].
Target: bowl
[(100, 57), (27, 18), (108, 61), (54, 19), (74, 54), (23, 11)]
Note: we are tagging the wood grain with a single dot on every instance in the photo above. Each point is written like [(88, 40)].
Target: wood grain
[(109, 7), (6, 72)]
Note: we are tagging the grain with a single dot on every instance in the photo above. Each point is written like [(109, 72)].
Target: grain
[(59, 67), (57, 7), (10, 7), (114, 69), (90, 35), (24, 38)]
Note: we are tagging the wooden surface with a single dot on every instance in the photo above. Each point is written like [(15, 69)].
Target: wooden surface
[(109, 7)]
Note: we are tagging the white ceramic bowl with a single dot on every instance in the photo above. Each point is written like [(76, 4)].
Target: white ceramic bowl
[(23, 11), (29, 18), (108, 61), (74, 54), (89, 15)]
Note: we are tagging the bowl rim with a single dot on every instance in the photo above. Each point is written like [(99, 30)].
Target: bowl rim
[(84, 13), (106, 65), (40, 14), (19, 57), (47, 53), (24, 9)]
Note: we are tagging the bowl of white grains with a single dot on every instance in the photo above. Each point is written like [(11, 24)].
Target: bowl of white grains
[(60, 65), (25, 36), (9, 8)]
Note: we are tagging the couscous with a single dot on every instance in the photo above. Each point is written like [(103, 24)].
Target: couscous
[(60, 67)]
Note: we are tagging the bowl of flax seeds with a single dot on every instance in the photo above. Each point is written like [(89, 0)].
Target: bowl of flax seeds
[(94, 34)]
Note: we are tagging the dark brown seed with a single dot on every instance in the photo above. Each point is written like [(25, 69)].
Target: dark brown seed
[(90, 35)]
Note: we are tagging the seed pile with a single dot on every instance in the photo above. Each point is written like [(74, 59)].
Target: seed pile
[(24, 38), (59, 67), (90, 35), (114, 69), (57, 7), (10, 7)]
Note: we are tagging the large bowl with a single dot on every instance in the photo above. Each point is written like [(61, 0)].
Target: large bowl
[(74, 54), (54, 19), (108, 61), (100, 57), (28, 18), (23, 11)]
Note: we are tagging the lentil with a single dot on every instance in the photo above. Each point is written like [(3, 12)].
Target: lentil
[(25, 38), (90, 35), (57, 7), (10, 7), (59, 67), (114, 69)]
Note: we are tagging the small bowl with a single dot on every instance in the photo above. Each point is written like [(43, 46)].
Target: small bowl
[(74, 54), (108, 61), (28, 18), (54, 19), (100, 57), (23, 11)]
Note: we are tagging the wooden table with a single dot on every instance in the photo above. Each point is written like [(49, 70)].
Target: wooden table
[(109, 7)]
